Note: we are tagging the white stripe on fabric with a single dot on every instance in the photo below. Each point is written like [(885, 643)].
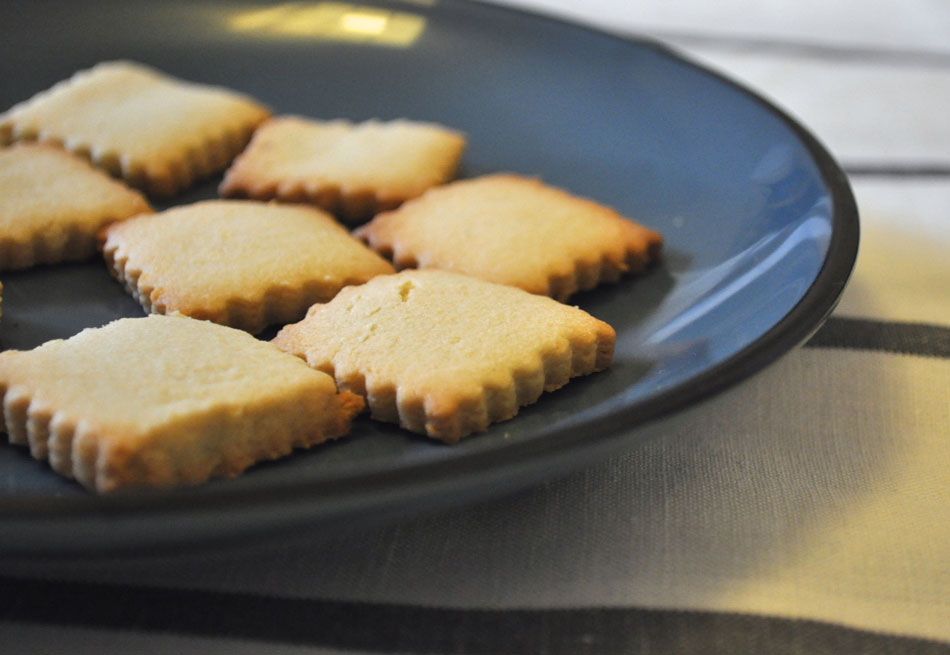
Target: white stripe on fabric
[(878, 24)]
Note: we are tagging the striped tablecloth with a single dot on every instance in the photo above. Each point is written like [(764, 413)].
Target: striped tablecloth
[(806, 510)]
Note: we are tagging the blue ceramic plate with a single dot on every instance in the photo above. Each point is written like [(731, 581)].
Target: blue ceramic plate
[(761, 233)]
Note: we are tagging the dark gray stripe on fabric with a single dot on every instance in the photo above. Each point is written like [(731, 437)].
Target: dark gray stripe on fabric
[(899, 171), (865, 334), (389, 628), (769, 46)]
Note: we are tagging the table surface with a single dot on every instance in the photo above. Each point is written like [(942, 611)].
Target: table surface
[(802, 511)]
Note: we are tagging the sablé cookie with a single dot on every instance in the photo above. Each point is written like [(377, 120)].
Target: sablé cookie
[(53, 203), (241, 263), (514, 230), (162, 401), (444, 354), (351, 170), (158, 132)]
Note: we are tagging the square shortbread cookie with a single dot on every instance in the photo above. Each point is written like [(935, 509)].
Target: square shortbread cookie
[(161, 401), (53, 203), (157, 132), (241, 263), (514, 230), (444, 354), (350, 170)]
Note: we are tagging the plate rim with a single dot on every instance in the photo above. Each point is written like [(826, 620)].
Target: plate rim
[(795, 327)]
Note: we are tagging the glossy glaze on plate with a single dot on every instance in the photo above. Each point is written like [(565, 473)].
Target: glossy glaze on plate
[(759, 223)]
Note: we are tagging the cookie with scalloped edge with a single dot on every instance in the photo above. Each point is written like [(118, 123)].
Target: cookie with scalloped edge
[(158, 132), (514, 230), (53, 203), (444, 354), (240, 263), (351, 170), (162, 401)]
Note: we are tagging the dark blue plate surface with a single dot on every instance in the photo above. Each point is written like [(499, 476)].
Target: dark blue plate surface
[(761, 233)]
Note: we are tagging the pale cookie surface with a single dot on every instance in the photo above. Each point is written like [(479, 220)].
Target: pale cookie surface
[(53, 203), (351, 170), (157, 132), (516, 231), (445, 354), (160, 401), (241, 263)]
